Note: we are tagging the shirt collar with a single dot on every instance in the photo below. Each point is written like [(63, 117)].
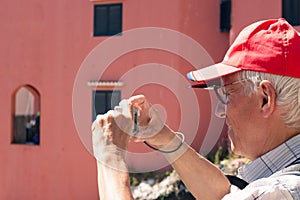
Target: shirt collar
[(273, 161)]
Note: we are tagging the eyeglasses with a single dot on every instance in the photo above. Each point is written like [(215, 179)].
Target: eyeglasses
[(221, 93)]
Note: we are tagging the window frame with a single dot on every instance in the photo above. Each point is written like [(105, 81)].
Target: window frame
[(108, 106), (291, 11), (225, 15), (97, 32)]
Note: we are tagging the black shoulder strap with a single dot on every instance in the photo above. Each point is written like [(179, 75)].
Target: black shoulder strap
[(240, 183), (294, 163)]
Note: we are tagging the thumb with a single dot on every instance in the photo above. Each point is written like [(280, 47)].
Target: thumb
[(149, 131)]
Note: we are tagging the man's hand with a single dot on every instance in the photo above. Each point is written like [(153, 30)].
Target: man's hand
[(152, 129), (110, 135), (110, 139)]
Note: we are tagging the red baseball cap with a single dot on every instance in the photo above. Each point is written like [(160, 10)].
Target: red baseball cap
[(270, 46)]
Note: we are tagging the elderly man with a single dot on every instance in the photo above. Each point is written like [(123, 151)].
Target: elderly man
[(258, 86)]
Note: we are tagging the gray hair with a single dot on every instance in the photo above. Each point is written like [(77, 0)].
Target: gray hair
[(287, 93)]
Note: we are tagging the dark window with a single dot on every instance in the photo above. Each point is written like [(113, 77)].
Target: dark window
[(107, 19), (290, 11), (225, 15), (26, 116), (105, 100)]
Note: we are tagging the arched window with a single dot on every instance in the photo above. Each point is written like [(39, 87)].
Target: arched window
[(26, 116)]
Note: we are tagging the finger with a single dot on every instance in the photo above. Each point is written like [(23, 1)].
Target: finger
[(138, 99), (118, 109), (111, 114), (94, 125), (99, 119), (108, 119), (125, 107), (143, 105), (97, 122)]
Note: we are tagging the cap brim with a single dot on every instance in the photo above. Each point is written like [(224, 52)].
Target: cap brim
[(211, 75)]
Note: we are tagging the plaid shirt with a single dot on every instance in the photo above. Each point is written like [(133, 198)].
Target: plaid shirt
[(269, 175)]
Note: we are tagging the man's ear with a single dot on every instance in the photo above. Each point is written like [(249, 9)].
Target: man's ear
[(268, 98)]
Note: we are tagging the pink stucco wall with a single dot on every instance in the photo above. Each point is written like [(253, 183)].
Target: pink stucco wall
[(246, 12), (44, 43)]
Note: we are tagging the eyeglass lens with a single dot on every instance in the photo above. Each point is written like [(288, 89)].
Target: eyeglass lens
[(222, 95)]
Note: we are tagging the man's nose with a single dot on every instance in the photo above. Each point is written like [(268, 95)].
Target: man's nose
[(220, 110)]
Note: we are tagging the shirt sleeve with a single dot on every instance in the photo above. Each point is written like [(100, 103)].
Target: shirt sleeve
[(266, 192)]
